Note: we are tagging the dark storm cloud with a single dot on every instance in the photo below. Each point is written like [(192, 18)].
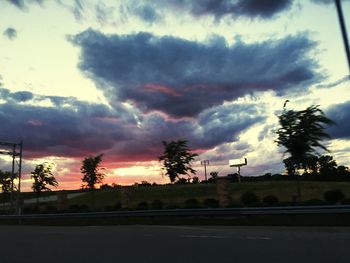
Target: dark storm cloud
[(340, 113), (10, 33), (183, 78), (265, 9), (213, 127), (248, 8), (72, 130), (224, 123)]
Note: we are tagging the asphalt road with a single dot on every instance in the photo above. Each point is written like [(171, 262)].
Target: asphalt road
[(174, 244)]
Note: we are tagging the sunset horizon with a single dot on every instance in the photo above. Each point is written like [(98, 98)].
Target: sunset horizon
[(83, 78)]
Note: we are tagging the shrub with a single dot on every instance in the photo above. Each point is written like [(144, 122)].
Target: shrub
[(115, 207), (334, 196), (191, 203), (30, 209), (315, 201), (211, 203), (270, 200), (50, 209), (157, 204), (249, 198), (142, 206), (172, 206), (195, 180), (346, 201), (78, 208)]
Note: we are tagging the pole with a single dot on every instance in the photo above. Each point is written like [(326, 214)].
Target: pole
[(19, 201), (13, 175), (239, 174), (343, 30), (205, 163)]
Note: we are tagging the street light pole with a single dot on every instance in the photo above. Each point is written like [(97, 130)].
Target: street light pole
[(343, 30)]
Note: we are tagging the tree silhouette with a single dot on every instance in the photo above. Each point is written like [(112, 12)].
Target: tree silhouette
[(6, 184), (92, 171), (177, 159), (327, 166), (5, 181), (43, 176), (301, 133)]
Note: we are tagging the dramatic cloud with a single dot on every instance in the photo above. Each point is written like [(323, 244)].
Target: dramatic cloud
[(249, 8), (183, 78), (10, 33), (341, 115), (265, 9), (66, 127), (71, 129)]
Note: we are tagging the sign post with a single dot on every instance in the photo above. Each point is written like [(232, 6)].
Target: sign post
[(238, 163)]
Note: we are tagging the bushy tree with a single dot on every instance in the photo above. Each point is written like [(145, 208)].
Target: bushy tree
[(6, 184), (301, 133), (195, 180), (334, 196), (43, 177), (177, 159), (91, 171), (327, 166), (6, 181)]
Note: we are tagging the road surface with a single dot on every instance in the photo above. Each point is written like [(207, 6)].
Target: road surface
[(137, 243)]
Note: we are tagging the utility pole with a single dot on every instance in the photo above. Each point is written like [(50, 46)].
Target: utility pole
[(205, 163), (343, 30), (19, 199), (10, 148)]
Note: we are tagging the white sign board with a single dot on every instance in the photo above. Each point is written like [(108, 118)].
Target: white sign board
[(237, 162)]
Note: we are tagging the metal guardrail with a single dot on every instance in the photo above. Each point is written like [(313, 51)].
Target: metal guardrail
[(291, 210)]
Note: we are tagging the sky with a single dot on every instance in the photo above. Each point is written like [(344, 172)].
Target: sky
[(85, 77)]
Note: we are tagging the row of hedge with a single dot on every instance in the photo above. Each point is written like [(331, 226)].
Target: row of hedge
[(250, 199)]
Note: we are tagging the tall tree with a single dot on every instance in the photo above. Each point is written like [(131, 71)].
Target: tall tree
[(177, 159), (301, 133), (43, 177), (6, 181), (91, 171)]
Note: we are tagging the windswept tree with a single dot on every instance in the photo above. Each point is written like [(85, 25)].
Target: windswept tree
[(91, 171), (301, 133), (177, 159), (43, 177)]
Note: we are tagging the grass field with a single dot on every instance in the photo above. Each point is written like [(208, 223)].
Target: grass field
[(176, 195)]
